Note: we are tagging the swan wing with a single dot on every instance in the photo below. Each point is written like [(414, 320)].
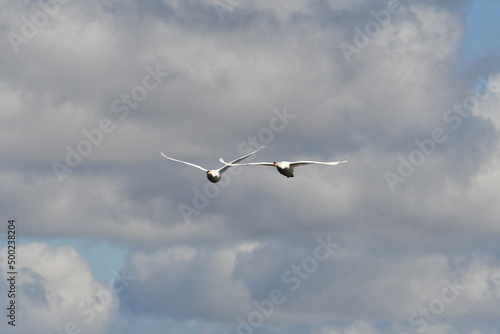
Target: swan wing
[(305, 162), (184, 162), (247, 164), (223, 169)]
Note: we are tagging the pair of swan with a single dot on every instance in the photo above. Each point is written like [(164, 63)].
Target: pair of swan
[(284, 167)]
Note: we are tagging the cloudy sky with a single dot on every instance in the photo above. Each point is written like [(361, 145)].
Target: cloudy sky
[(113, 238)]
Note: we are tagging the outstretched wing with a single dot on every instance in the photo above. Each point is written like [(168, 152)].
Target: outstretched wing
[(184, 162), (223, 169), (305, 162), (247, 164)]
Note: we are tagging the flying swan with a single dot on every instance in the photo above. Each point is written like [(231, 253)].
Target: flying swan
[(284, 167), (214, 175)]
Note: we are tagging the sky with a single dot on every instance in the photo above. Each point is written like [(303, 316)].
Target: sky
[(113, 238)]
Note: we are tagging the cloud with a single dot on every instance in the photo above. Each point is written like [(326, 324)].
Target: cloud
[(56, 291), (356, 328), (188, 283), (223, 284)]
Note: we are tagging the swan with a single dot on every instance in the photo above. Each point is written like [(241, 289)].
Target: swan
[(214, 175), (284, 167)]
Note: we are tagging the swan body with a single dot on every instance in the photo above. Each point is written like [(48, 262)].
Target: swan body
[(214, 175), (285, 168)]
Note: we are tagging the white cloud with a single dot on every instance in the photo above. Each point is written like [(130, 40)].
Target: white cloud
[(358, 327), (175, 282), (55, 288), (348, 286)]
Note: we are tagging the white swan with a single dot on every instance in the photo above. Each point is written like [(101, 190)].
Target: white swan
[(284, 167), (214, 175)]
